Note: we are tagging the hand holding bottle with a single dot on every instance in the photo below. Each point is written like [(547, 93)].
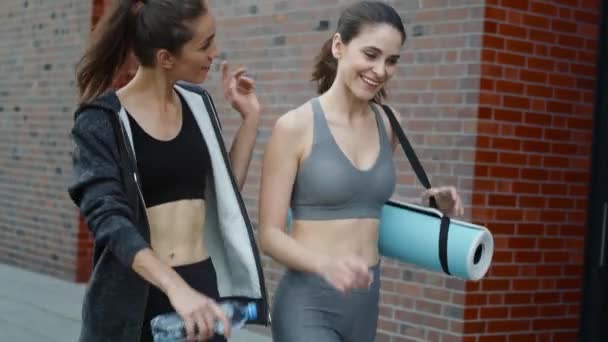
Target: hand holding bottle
[(198, 312), (170, 327)]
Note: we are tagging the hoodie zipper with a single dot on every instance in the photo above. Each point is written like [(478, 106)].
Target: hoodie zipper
[(141, 195), (134, 169), (256, 254)]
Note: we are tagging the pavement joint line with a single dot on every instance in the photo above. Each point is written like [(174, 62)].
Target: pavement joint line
[(25, 328), (39, 307)]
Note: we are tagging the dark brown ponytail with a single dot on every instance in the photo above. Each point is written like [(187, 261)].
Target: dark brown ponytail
[(110, 45), (326, 67), (139, 26), (349, 25)]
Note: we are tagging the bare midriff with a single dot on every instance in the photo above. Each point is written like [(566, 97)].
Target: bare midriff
[(177, 231), (344, 237)]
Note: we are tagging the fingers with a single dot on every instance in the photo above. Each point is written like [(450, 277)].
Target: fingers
[(338, 285), (428, 194), (205, 326), (245, 84), (236, 81), (189, 326), (348, 273), (225, 75), (348, 283), (360, 274), (219, 314), (239, 72), (342, 280), (451, 201), (447, 199), (339, 280), (365, 279), (458, 207)]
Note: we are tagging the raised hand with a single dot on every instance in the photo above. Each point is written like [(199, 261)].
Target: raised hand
[(239, 92)]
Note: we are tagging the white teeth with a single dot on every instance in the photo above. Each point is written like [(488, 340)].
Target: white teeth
[(370, 82)]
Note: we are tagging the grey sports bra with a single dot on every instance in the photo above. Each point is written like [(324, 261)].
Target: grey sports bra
[(329, 187)]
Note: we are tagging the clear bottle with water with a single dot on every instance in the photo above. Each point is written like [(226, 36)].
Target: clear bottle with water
[(170, 327)]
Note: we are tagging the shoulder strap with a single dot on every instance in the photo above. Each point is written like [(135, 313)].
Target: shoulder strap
[(423, 178), (409, 151)]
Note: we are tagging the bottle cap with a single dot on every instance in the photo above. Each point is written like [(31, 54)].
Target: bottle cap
[(252, 312)]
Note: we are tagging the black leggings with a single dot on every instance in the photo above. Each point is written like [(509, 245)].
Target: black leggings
[(200, 276)]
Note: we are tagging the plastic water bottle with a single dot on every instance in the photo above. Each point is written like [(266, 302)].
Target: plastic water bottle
[(170, 327)]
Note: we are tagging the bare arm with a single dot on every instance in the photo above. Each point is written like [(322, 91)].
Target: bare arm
[(239, 92), (278, 174), (156, 272), (242, 149)]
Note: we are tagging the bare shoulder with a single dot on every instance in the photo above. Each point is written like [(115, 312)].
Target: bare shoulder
[(295, 123)]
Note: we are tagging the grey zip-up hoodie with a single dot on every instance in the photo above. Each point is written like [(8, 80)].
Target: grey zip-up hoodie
[(106, 190)]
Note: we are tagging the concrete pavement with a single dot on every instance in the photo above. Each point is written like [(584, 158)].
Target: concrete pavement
[(34, 307)]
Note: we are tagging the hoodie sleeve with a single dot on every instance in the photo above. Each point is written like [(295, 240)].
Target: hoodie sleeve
[(97, 187)]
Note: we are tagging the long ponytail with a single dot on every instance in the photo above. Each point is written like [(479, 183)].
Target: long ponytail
[(139, 26), (326, 68), (111, 42)]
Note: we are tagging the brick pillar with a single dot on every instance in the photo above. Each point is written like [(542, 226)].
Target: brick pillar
[(532, 167)]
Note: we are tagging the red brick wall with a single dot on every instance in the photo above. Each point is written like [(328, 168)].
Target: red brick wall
[(532, 163), (41, 42)]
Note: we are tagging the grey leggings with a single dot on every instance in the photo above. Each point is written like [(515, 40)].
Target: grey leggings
[(306, 308)]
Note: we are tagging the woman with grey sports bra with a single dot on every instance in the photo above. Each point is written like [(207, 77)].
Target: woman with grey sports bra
[(329, 187), (330, 161)]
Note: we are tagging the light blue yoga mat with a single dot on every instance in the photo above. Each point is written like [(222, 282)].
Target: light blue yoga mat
[(412, 235)]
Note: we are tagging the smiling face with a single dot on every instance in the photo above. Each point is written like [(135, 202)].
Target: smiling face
[(369, 60), (194, 60)]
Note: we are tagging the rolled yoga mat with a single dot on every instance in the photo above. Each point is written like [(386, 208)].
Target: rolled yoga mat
[(411, 233)]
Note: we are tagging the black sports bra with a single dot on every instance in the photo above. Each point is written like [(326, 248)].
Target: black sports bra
[(172, 170)]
